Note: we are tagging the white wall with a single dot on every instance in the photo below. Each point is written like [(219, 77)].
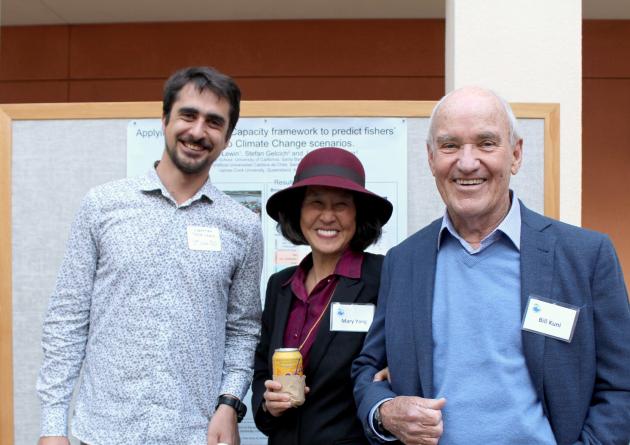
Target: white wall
[(527, 51)]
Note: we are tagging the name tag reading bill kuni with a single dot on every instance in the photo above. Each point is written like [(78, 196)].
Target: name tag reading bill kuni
[(550, 318), (351, 317), (204, 238)]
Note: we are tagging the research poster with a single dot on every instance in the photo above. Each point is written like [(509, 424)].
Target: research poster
[(261, 159)]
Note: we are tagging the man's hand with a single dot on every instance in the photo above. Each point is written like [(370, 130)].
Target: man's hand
[(223, 427), (53, 440), (413, 420)]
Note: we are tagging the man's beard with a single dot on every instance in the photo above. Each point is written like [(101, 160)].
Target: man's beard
[(186, 166)]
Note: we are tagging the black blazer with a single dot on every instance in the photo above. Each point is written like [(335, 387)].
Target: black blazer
[(329, 414)]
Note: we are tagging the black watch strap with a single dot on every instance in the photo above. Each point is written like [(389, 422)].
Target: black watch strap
[(239, 407)]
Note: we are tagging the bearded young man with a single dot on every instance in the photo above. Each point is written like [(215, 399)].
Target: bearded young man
[(158, 296)]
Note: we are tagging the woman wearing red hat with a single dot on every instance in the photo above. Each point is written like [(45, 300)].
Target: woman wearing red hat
[(329, 209)]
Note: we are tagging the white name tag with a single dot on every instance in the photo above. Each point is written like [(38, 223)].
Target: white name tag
[(351, 317), (204, 238), (550, 318)]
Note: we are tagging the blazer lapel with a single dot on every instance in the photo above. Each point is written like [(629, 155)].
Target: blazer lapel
[(347, 291), (537, 252), (422, 268)]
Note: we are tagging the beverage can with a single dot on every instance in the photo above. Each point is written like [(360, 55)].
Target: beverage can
[(287, 361)]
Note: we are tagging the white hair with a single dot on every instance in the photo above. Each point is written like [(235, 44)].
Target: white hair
[(513, 129)]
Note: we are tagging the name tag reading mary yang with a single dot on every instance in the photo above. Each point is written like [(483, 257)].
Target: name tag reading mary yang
[(204, 238), (550, 318), (351, 317)]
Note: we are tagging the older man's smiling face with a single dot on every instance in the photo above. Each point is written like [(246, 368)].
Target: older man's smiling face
[(472, 159)]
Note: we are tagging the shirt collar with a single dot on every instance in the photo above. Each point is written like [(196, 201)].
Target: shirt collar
[(510, 227), (151, 182), (349, 266)]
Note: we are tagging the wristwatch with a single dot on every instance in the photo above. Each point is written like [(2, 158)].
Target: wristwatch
[(378, 422), (239, 407)]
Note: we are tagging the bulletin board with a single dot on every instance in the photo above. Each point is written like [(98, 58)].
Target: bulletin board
[(52, 154)]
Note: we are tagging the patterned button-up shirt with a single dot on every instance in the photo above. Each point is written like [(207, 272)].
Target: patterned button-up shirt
[(160, 328)]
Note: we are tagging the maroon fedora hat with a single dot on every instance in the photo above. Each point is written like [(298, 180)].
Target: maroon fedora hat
[(330, 167)]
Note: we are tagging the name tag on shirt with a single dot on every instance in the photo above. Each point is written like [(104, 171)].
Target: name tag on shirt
[(351, 317), (550, 318), (204, 238)]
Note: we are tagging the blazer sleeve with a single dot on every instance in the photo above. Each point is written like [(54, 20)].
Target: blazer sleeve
[(372, 359), (608, 416)]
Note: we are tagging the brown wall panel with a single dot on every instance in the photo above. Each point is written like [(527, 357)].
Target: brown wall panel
[(261, 48), (342, 88), (316, 59), (34, 52), (605, 161), (606, 48), (33, 91), (605, 117), (127, 90)]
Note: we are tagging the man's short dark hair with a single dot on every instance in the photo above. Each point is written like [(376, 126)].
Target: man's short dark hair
[(369, 227), (203, 78)]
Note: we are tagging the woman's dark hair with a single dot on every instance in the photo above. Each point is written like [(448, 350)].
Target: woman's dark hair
[(203, 78), (368, 230)]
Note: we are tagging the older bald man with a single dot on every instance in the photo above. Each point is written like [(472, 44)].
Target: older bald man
[(499, 325)]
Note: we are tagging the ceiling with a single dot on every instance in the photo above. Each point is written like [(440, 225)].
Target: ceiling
[(61, 12)]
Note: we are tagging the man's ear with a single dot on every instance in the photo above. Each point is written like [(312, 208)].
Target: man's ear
[(430, 154), (517, 157)]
